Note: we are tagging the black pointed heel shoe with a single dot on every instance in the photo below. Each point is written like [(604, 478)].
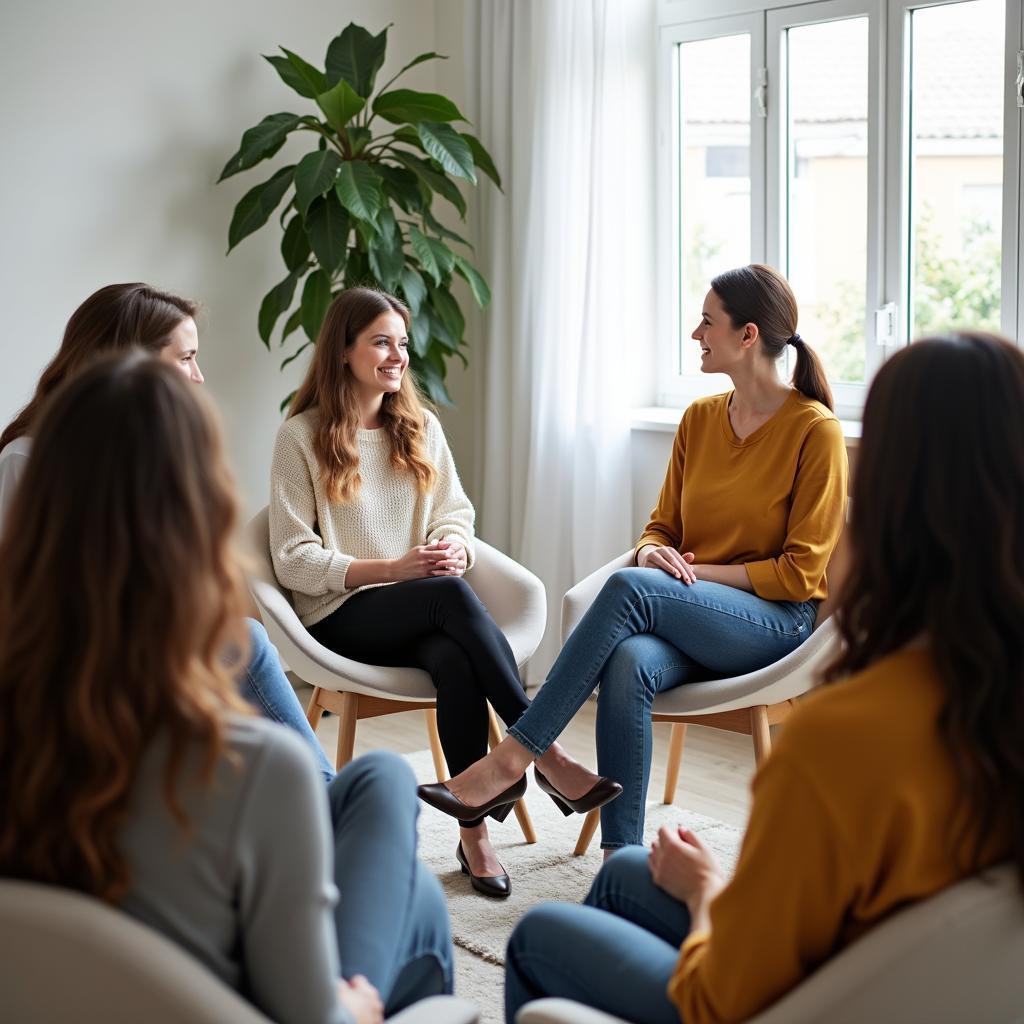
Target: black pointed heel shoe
[(438, 795), (600, 793), (497, 886)]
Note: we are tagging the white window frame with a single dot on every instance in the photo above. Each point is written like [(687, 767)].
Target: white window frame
[(888, 167)]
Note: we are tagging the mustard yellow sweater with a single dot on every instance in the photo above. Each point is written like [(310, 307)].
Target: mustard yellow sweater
[(849, 823), (773, 502)]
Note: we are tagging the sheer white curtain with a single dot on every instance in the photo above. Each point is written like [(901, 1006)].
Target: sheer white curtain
[(559, 102)]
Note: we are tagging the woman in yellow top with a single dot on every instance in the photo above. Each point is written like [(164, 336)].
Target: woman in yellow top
[(902, 778), (729, 572)]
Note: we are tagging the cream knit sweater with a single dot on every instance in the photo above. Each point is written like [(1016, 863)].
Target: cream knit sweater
[(313, 541)]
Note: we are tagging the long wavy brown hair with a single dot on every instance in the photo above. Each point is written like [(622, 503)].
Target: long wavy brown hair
[(937, 555), (116, 317), (121, 616), (328, 387)]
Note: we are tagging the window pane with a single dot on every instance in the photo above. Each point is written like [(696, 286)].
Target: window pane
[(956, 166), (827, 188), (714, 172)]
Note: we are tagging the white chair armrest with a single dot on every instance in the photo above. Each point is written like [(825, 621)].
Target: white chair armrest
[(563, 1011), (581, 597), (438, 1010), (514, 597)]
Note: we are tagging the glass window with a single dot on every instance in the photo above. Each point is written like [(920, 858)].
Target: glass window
[(827, 188), (956, 166), (714, 172)]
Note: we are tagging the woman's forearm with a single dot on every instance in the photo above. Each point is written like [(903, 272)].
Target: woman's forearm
[(728, 575), (364, 572)]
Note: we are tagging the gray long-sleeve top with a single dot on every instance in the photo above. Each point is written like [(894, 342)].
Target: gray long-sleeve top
[(249, 893)]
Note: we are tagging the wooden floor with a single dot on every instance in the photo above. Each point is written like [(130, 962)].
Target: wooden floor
[(714, 780)]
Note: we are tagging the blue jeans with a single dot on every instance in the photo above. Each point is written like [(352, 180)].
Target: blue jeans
[(615, 953), (391, 918), (647, 632), (265, 686)]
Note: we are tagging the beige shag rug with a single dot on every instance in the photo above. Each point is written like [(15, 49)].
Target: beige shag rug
[(546, 870)]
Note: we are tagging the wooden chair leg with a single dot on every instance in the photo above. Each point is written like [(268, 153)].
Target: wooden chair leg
[(590, 823), (435, 745), (347, 729), (760, 732), (675, 757), (314, 712), (522, 814)]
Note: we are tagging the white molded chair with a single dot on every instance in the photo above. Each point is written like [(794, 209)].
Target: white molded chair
[(67, 958), (747, 704), (353, 690), (954, 957)]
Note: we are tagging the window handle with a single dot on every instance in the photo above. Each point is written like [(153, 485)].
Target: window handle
[(885, 326), (761, 92), (1020, 78)]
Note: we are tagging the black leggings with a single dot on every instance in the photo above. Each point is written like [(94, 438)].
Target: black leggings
[(440, 625)]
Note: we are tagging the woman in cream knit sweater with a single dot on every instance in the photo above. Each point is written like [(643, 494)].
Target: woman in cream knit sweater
[(371, 531)]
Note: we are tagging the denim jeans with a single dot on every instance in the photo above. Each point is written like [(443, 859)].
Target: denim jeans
[(615, 953), (391, 918), (647, 632), (265, 686)]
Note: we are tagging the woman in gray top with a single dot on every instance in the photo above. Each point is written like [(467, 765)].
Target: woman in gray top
[(129, 767)]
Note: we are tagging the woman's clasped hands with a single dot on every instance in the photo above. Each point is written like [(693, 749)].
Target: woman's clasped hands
[(685, 868), (442, 558), (668, 559)]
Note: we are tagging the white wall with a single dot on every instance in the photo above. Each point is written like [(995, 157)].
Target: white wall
[(116, 119)]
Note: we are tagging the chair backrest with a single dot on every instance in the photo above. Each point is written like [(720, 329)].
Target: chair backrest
[(957, 956), (68, 957)]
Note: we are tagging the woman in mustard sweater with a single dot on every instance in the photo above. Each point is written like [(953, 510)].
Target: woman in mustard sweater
[(883, 789), (729, 570)]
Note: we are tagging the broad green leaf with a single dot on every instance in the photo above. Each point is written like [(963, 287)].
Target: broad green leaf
[(294, 244), (340, 104), (430, 373), (259, 142), (295, 355), (291, 325), (448, 310), (439, 229), (407, 106), (315, 175), (387, 259), (401, 186), (298, 74), (316, 297), (359, 190), (357, 268), (482, 158), (366, 232), (448, 148), (434, 180), (358, 138), (286, 401), (327, 226), (413, 288), (355, 57), (256, 206), (435, 257), (439, 331), (274, 303), (473, 277), (419, 332), (409, 135)]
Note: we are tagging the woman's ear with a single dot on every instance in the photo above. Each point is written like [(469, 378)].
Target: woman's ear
[(751, 334)]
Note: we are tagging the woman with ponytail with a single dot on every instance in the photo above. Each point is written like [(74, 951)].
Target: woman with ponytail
[(729, 570)]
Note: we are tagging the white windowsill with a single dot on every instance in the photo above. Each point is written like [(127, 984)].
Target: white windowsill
[(659, 419)]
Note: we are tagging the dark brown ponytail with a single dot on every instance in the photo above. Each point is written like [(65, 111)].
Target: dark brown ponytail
[(759, 295)]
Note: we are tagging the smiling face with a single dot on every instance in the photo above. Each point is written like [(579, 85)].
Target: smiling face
[(379, 356), (182, 350), (722, 346)]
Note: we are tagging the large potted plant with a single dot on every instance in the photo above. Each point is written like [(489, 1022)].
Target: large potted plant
[(360, 206)]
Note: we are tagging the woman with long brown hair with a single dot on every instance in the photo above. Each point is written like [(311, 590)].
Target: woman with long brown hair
[(131, 770), (372, 532), (116, 318), (729, 570), (898, 779)]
